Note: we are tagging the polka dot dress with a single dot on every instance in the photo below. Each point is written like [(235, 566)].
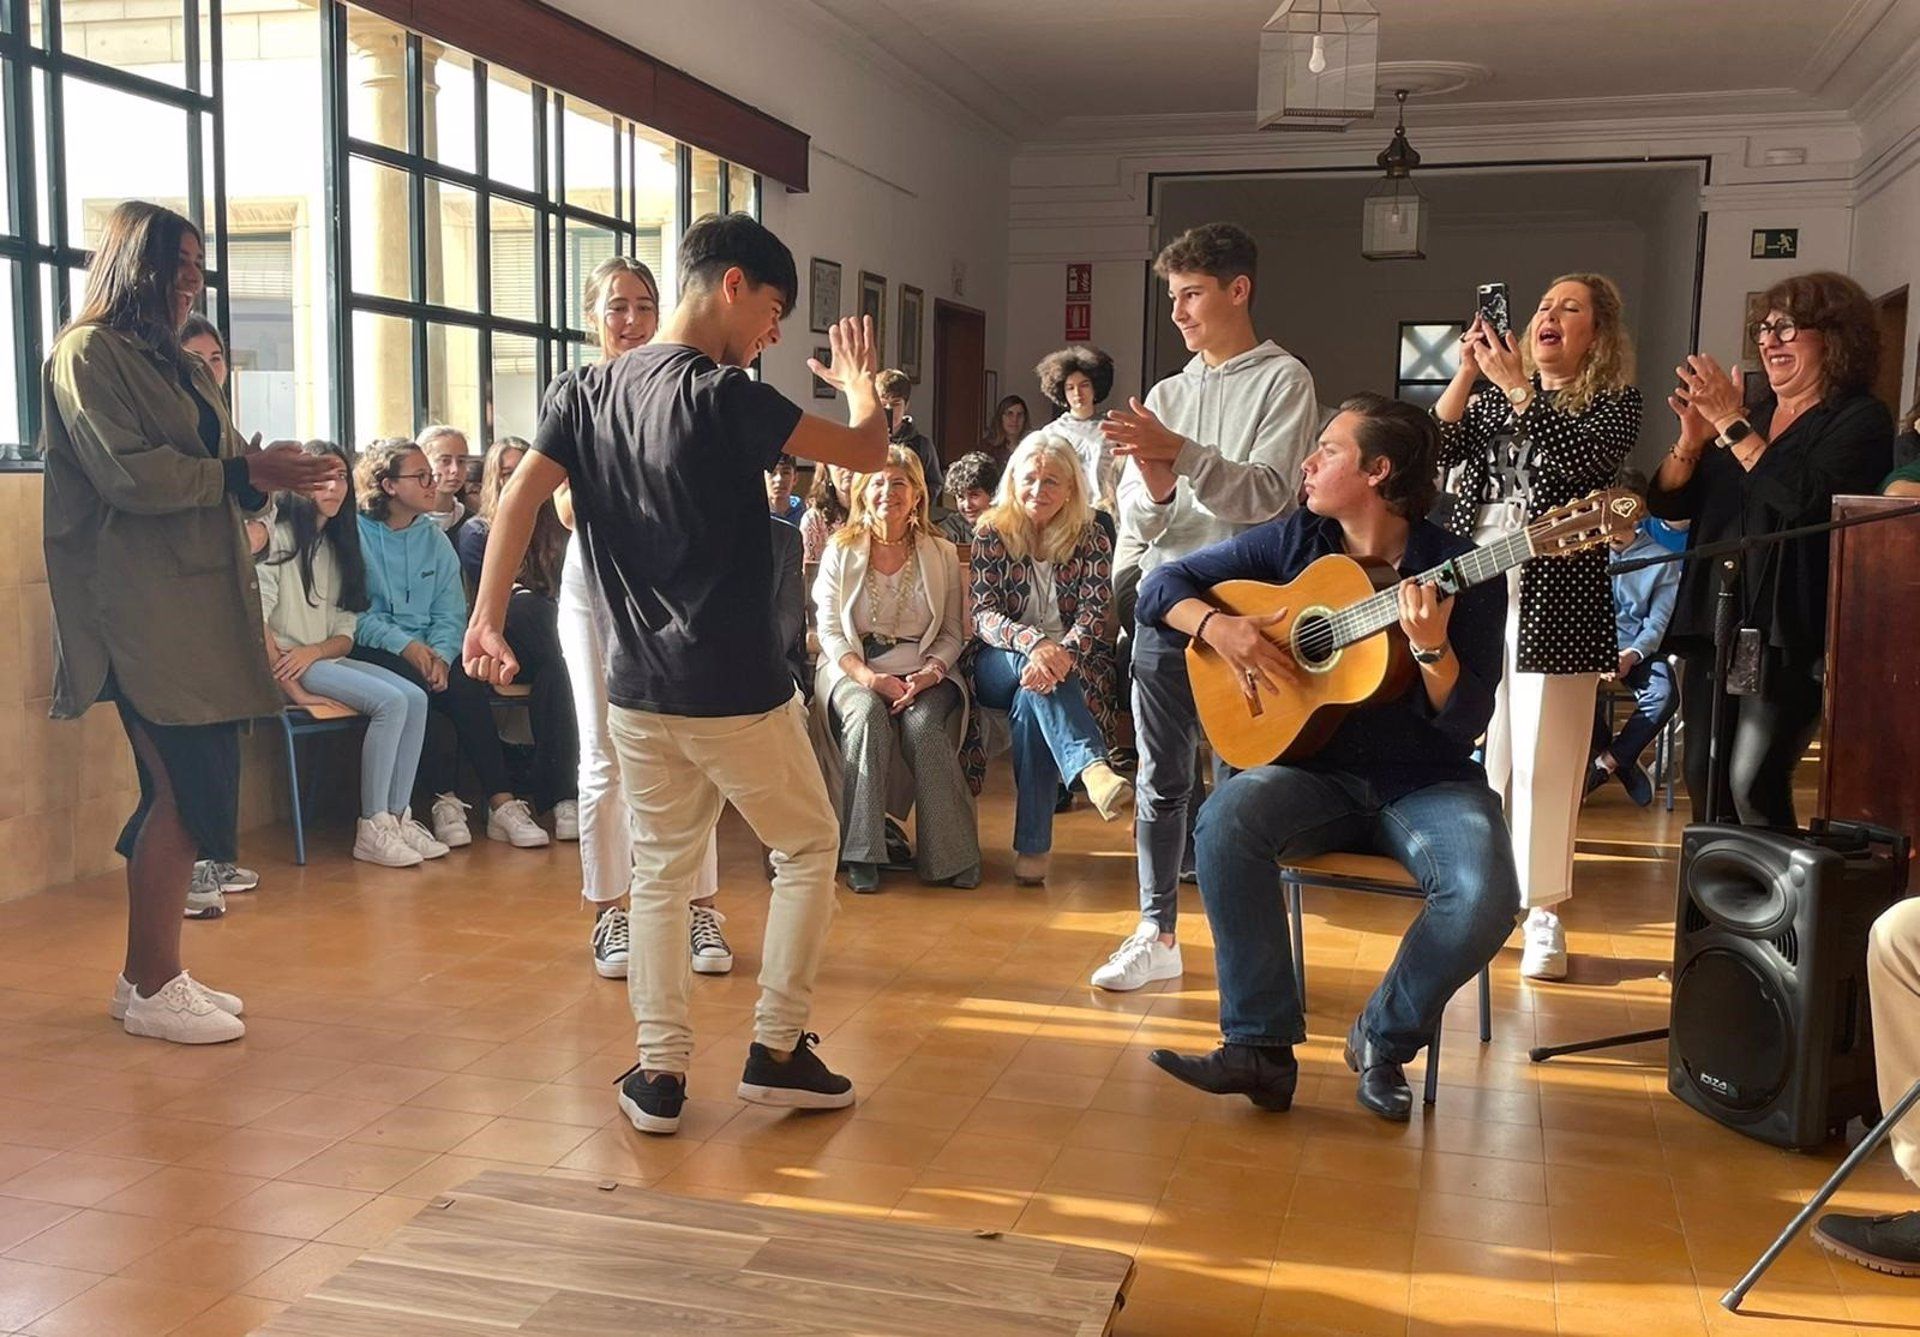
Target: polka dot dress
[(1546, 458)]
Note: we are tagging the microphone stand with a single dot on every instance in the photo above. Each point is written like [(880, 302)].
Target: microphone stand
[(1731, 553)]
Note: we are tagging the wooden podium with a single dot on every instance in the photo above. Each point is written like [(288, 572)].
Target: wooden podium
[(1870, 724)]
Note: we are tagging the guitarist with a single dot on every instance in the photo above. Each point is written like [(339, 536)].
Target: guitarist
[(1396, 779)]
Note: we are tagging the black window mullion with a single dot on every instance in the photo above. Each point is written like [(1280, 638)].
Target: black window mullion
[(333, 20), (54, 141), (723, 195), (216, 41), (16, 85), (683, 201), (196, 156), (542, 242)]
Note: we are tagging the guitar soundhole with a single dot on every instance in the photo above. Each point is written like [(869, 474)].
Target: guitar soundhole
[(1313, 641)]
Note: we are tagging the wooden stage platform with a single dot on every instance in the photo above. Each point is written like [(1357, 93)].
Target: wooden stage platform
[(512, 1253)]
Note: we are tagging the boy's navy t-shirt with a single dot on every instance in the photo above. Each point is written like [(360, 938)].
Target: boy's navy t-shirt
[(667, 452)]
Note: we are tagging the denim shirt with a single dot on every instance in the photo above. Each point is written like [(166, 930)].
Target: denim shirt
[(1643, 599)]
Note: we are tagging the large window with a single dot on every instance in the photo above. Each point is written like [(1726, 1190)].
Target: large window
[(1429, 356)]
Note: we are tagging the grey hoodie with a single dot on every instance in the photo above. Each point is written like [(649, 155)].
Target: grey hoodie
[(1249, 423)]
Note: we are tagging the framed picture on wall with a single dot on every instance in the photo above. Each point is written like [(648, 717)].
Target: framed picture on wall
[(993, 400), (821, 390), (873, 302), (912, 303), (823, 295)]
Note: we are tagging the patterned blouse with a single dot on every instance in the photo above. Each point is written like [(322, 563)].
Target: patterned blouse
[(1546, 458)]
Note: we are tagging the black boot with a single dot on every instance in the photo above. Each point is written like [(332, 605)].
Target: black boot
[(1264, 1074), (1889, 1244), (1383, 1086)]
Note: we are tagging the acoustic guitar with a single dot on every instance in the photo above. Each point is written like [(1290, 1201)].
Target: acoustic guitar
[(1343, 629)]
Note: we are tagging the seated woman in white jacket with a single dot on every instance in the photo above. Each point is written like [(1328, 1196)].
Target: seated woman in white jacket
[(889, 612), (313, 588)]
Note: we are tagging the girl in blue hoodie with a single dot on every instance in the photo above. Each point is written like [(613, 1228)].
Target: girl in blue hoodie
[(417, 612)]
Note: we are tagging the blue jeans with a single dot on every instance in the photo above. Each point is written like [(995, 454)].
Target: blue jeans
[(1054, 739), (396, 712), (1167, 788), (1450, 836), (1655, 698)]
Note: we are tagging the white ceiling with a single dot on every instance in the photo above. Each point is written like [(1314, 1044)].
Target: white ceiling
[(1068, 70)]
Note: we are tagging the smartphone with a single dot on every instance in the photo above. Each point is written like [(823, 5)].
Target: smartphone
[(1490, 301)]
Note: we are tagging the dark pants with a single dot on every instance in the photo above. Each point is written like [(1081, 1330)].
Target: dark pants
[(465, 704), (1451, 837), (1762, 739), (533, 632), (1654, 701)]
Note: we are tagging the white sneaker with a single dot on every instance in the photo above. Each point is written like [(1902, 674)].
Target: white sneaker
[(611, 948), (513, 822), (1544, 957), (204, 898), (711, 955), (566, 819), (450, 821), (182, 1012), (231, 876), (420, 838), (123, 994), (1141, 959), (377, 839)]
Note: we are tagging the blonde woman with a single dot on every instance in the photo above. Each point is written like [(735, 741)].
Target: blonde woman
[(888, 607), (1042, 584), (1557, 424)]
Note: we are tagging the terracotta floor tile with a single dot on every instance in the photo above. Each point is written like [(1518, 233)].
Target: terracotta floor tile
[(183, 1193), (322, 1116), (127, 1308), (478, 1095), (300, 1272), (297, 1211), (222, 1259), (584, 1107), (528, 1141), (373, 1224), (28, 1290), (96, 1241), (1116, 1173), (77, 1178), (23, 1218), (418, 1128), (257, 1151), (359, 1165), (235, 1316)]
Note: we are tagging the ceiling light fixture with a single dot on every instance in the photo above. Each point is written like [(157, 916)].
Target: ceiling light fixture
[(1393, 223), (1317, 62)]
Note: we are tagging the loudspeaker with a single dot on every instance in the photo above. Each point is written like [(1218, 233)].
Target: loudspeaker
[(1771, 1033)]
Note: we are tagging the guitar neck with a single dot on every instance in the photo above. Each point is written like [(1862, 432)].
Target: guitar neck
[(1382, 610)]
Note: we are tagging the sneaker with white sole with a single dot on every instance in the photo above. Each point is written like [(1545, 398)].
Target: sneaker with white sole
[(711, 955), (566, 819), (204, 898), (611, 946), (377, 839), (231, 876), (512, 822), (1544, 954), (419, 837), (1140, 960), (123, 994), (801, 1082), (182, 1012), (450, 821)]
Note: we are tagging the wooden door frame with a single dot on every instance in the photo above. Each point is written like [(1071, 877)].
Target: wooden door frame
[(939, 304)]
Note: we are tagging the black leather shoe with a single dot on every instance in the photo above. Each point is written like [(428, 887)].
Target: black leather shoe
[(1889, 1244), (1264, 1074), (1383, 1086)]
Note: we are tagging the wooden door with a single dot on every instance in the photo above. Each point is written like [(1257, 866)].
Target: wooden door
[(1890, 315), (959, 379)]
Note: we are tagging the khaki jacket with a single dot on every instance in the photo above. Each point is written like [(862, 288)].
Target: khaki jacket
[(147, 559)]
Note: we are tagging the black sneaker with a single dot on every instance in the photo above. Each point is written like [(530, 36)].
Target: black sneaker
[(801, 1083), (652, 1106), (1889, 1244)]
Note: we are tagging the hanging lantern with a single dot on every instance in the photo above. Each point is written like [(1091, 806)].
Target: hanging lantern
[(1393, 225), (1317, 64)]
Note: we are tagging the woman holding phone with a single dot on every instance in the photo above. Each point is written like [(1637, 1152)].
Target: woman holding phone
[(1558, 423)]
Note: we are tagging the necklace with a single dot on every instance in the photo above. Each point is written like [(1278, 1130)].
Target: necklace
[(905, 589), (890, 543)]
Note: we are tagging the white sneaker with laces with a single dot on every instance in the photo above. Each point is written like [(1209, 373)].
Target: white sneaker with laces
[(183, 1012), (123, 995), (231, 876), (611, 946), (1544, 955), (377, 839), (204, 898), (1141, 959), (450, 821), (513, 823), (711, 955), (566, 819), (419, 837)]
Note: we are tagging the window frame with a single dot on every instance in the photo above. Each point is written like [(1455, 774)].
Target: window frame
[(1401, 384)]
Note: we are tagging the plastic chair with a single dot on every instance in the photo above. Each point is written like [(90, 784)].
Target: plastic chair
[(297, 722), (1382, 877)]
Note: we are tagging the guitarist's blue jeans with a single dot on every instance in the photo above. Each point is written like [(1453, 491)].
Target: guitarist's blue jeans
[(1451, 837), (1055, 737)]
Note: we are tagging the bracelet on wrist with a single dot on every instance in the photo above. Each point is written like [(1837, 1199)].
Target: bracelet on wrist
[(1200, 632)]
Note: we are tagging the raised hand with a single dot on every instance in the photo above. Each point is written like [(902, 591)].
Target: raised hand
[(1140, 436), (286, 466), (852, 359)]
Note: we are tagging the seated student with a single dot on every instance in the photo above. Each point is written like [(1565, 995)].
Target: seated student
[(533, 627), (416, 612), (1642, 607), (895, 390), (1042, 584), (887, 603), (971, 482), (782, 504), (1397, 778), (313, 587), (454, 477)]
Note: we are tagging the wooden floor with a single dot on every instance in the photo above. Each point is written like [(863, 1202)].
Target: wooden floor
[(410, 1029)]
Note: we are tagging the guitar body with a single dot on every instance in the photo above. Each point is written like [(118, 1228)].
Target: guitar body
[(1291, 723)]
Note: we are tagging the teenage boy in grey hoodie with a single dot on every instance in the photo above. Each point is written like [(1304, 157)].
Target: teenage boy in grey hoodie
[(1216, 449)]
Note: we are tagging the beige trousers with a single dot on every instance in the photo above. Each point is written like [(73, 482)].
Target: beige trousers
[(1893, 980), (678, 771)]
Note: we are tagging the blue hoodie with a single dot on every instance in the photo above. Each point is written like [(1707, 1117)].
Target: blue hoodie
[(413, 580)]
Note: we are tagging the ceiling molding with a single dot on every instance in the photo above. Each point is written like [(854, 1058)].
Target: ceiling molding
[(1847, 37), (1897, 79)]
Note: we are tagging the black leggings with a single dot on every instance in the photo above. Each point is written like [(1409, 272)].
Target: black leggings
[(533, 632), (1762, 738), (466, 706)]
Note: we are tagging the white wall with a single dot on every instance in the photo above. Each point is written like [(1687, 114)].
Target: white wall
[(1885, 240)]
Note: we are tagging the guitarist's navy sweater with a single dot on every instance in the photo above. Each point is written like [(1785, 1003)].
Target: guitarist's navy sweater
[(1397, 746)]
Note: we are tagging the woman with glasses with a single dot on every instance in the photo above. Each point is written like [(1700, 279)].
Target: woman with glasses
[(1736, 472)]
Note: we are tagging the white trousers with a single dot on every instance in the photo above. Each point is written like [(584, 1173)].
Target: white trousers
[(1537, 745), (606, 842), (1893, 983)]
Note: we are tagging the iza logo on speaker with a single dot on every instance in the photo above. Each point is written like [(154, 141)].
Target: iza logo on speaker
[(1715, 1084)]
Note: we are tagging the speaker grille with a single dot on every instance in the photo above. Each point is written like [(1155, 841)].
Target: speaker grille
[(1730, 1032), (1696, 921), (1788, 945)]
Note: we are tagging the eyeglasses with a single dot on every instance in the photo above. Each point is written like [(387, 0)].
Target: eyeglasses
[(1785, 330), (424, 477)]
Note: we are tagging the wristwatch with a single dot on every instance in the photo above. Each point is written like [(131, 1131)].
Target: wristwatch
[(1517, 395), (1736, 431), (1433, 656)]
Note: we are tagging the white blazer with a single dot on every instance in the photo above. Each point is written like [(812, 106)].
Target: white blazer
[(842, 576)]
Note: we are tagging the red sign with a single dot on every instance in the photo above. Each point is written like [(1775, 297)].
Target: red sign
[(1079, 303), (1079, 281)]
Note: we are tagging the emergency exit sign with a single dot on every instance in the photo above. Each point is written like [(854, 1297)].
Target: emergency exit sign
[(1776, 243)]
